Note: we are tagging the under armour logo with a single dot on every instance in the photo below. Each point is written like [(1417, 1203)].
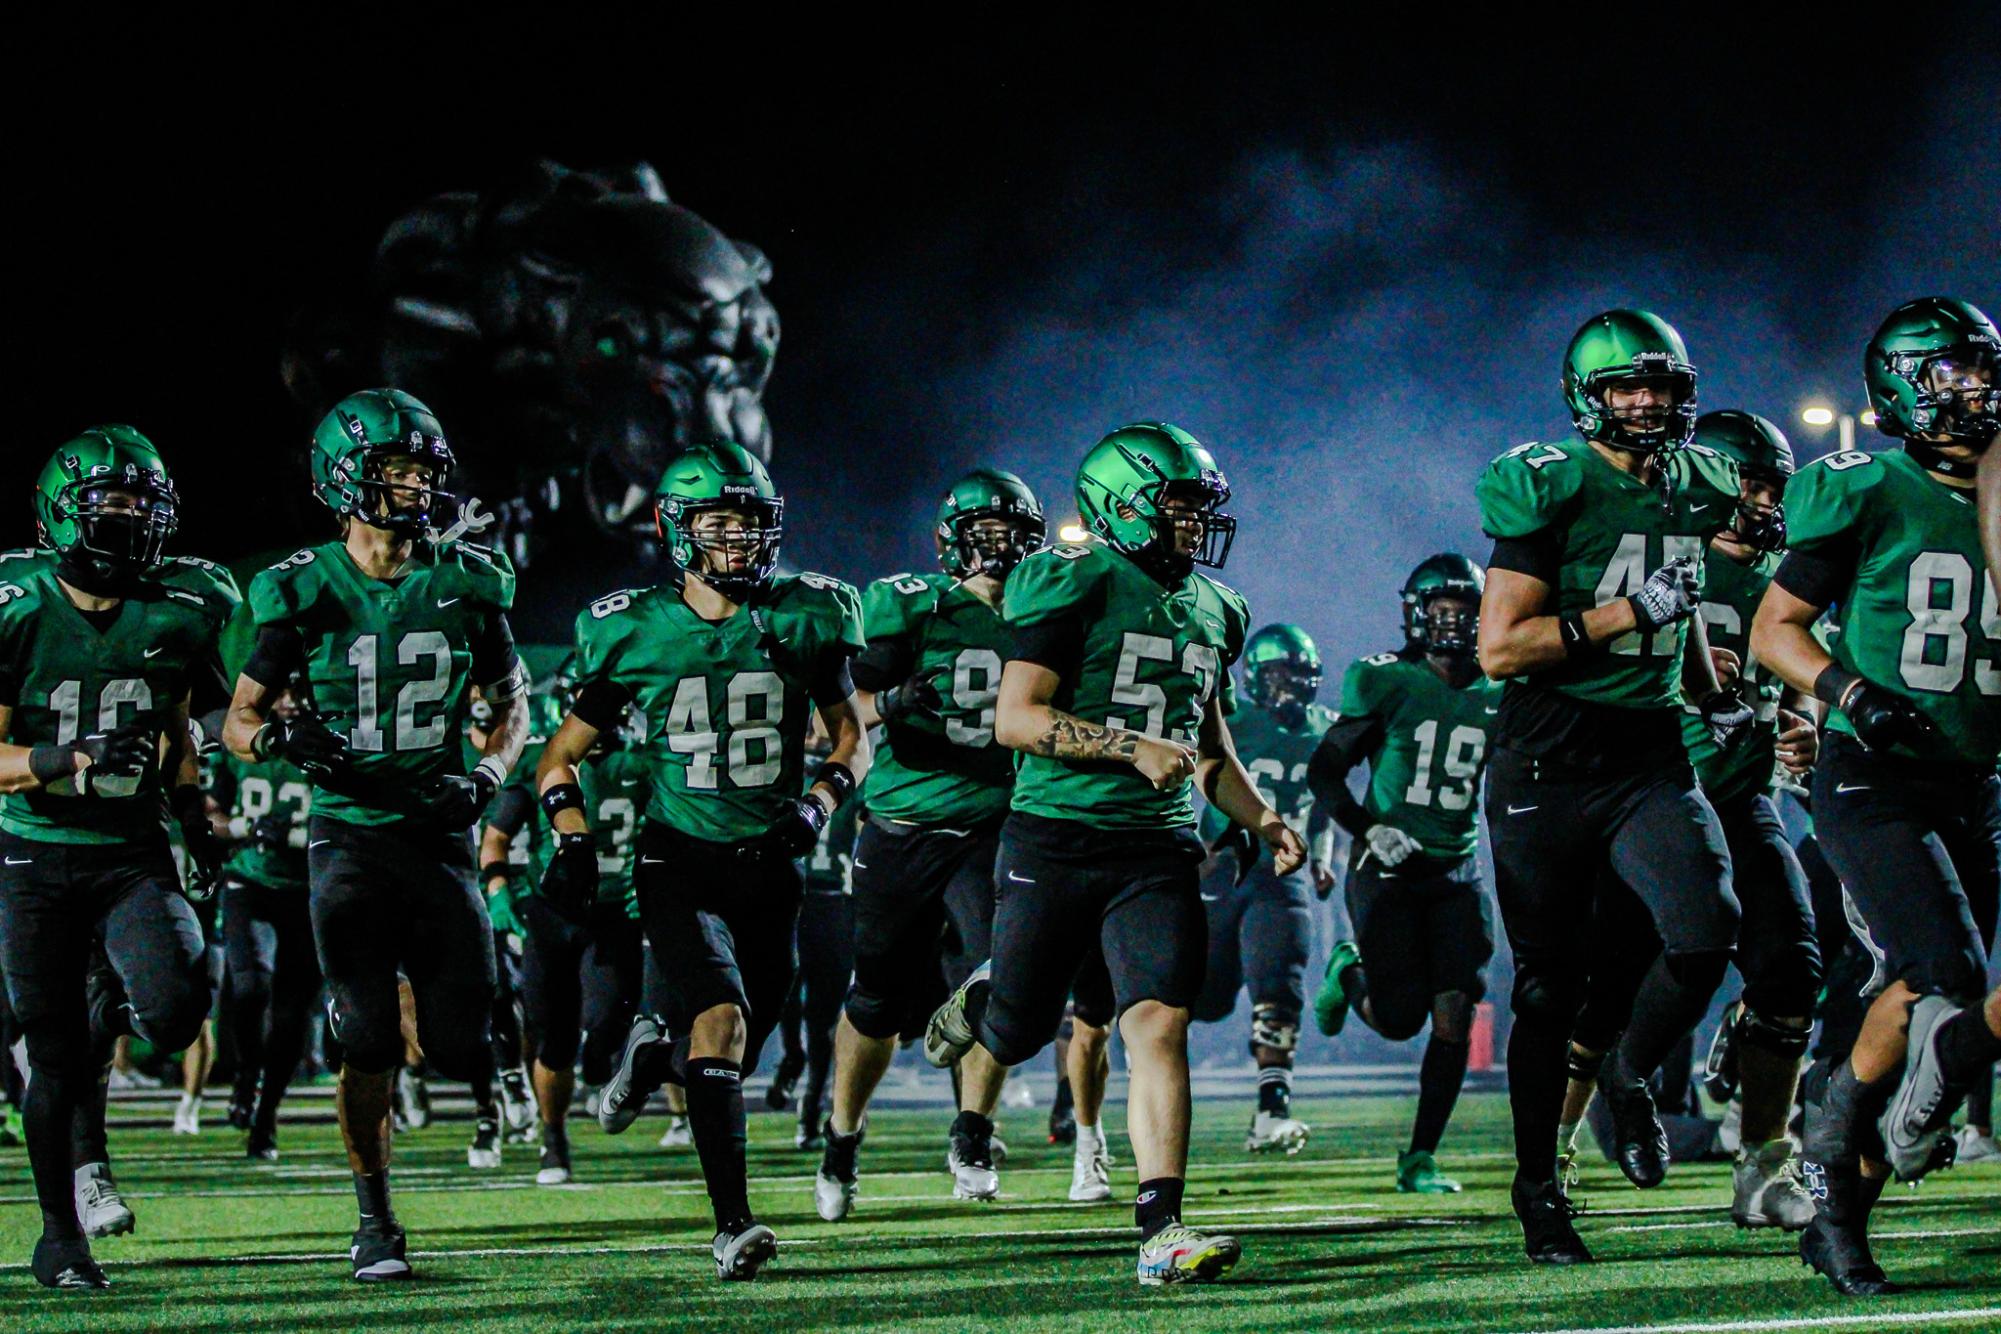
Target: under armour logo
[(1815, 1176)]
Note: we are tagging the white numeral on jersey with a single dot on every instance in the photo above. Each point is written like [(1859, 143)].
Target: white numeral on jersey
[(1549, 454), (366, 734), (1266, 772), (1463, 752), (621, 816), (67, 700), (976, 677), (1200, 661), (755, 704), (1942, 671), (1623, 577)]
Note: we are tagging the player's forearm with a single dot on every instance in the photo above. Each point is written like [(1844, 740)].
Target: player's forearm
[(1782, 639), (509, 732), (248, 708), (851, 748), (1535, 643), (1698, 668), (16, 773), (1227, 786), (1987, 491), (1043, 730)]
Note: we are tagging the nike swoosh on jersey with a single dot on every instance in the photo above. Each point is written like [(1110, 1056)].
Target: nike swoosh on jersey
[(446, 602), (1692, 509), (25, 861), (1019, 880), (155, 651), (1522, 810), (652, 861), (1851, 787), (318, 843)]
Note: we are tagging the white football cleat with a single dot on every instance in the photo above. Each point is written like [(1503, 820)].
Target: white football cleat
[(484, 1151), (1276, 1134), (1179, 1254), (833, 1198), (1766, 1189), (1975, 1147), (678, 1135), (187, 1115), (1090, 1171), (972, 1166), (99, 1207), (739, 1255)]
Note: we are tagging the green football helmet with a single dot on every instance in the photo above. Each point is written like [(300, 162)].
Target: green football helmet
[(987, 493), (1762, 454), (105, 503), (366, 430), (1432, 629), (1122, 486), (1629, 347), (1282, 668), (721, 475), (1932, 371)]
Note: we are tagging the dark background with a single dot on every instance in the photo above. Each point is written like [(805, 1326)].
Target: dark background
[(1346, 256)]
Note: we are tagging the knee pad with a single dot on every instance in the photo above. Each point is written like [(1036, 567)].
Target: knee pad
[(62, 1051), (558, 1051), (367, 1048), (1581, 1067), (1276, 1027), (1754, 1030), (1699, 970), (877, 1016), (1550, 997)]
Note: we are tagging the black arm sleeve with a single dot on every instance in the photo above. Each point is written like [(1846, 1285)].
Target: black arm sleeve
[(832, 682), (1822, 576), (1344, 746), (1057, 643), (600, 703), (278, 653), (494, 660), (1539, 555), (884, 663), (513, 808)]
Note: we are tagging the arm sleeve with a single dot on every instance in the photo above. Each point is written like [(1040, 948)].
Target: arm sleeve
[(277, 654), (511, 810), (831, 681), (884, 663), (600, 703), (1341, 749), (496, 667), (1820, 576), (1056, 643), (1539, 555)]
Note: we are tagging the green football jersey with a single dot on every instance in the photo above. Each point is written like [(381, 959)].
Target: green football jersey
[(615, 792), (726, 703), (1276, 756), (66, 679), (947, 770), (1615, 532), (527, 848), (388, 663), (1151, 659), (830, 868), (1424, 778), (1920, 617), (1730, 596), (251, 790)]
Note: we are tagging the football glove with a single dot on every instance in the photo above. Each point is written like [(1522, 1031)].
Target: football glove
[(118, 758), (1670, 594), (456, 801), (271, 833), (205, 852), (570, 881), (313, 746), (1241, 843), (1727, 717), (794, 833), (916, 698), (1883, 718), (1392, 847)]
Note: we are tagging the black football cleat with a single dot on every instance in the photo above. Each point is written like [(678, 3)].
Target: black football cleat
[(740, 1254), (67, 1264), (1842, 1254), (378, 1253), (1547, 1235), (1639, 1143)]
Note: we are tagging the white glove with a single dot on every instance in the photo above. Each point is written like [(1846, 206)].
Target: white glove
[(1391, 846)]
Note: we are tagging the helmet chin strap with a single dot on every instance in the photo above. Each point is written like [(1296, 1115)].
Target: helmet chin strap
[(1928, 457)]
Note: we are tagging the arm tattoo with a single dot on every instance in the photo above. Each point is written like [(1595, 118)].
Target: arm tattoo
[(1071, 738)]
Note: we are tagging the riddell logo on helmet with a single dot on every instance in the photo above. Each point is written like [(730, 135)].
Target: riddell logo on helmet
[(416, 437)]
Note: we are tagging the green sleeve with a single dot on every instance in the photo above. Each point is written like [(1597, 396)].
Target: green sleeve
[(488, 575), (1236, 628), (1825, 503), (274, 596), (1526, 489), (1050, 583), (892, 608), (600, 631), (1703, 469), (1361, 688)]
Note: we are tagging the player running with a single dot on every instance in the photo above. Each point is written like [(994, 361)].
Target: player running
[(936, 796), (1596, 571), (390, 626), (1419, 717), (103, 637), (725, 664), (1260, 923), (274, 975), (1906, 803), (1115, 691)]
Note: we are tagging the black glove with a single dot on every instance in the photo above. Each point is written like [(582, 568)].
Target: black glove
[(457, 801), (1883, 719), (205, 852), (1239, 842), (570, 881), (271, 833), (795, 833), (916, 698), (1727, 716), (1670, 594), (310, 744), (124, 753)]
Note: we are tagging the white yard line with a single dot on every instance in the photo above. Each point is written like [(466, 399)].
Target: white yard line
[(1875, 1320)]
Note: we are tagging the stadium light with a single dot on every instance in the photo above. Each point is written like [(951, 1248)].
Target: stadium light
[(1868, 418), (1074, 532), (1818, 417)]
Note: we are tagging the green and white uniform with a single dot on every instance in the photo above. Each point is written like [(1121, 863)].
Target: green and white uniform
[(254, 790), (1430, 751), (1730, 596)]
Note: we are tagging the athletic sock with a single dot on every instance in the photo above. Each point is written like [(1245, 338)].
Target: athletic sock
[(1090, 1139), (1157, 1204), (1538, 1075), (839, 1160), (715, 1115), (1566, 1136), (973, 1126), (371, 1192), (1966, 1046), (45, 1122), (1275, 1090), (1438, 1081)]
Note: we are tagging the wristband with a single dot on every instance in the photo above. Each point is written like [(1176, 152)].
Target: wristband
[(1576, 639), (1833, 684), (562, 797), (838, 777), (186, 802), (492, 768), (493, 871), (269, 741), (51, 764), (239, 828)]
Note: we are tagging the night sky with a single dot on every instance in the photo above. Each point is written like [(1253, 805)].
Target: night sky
[(1348, 260)]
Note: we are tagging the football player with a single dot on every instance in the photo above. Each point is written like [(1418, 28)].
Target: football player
[(938, 791), (512, 847), (389, 625), (581, 980), (1114, 692), (103, 638), (1419, 717), (1906, 803), (1261, 924), (725, 663), (826, 959), (1595, 574), (273, 976)]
